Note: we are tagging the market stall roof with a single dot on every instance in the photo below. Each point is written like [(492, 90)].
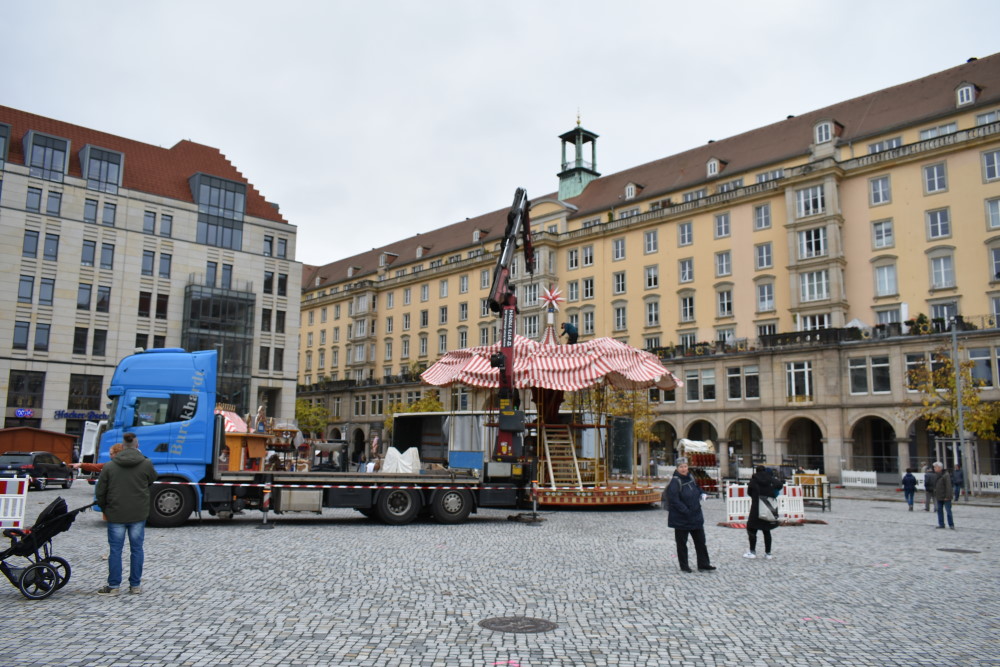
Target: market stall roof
[(552, 366), (234, 423)]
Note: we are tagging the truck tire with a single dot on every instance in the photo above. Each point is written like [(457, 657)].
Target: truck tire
[(169, 505), (452, 505), (398, 506)]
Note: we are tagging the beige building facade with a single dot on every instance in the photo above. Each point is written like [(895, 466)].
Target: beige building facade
[(113, 245), (790, 275)]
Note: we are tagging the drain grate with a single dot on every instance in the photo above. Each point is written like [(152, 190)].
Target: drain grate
[(521, 624), (961, 551)]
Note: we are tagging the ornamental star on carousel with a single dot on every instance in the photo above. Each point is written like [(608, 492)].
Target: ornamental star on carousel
[(552, 297)]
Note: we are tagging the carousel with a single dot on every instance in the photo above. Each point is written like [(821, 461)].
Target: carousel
[(569, 385)]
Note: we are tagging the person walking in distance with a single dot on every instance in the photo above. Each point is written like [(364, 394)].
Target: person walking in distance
[(942, 494), (686, 518), (930, 477), (123, 494), (763, 484), (958, 481), (909, 487)]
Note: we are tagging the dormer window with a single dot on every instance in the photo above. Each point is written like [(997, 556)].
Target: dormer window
[(630, 191), (965, 94), (420, 251), (102, 168), (712, 169), (351, 270), (824, 132), (47, 157), (387, 258)]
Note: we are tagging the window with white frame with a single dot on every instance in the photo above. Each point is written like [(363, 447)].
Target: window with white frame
[(995, 306), (988, 117), (651, 241), (944, 310), (982, 366), (573, 259), (724, 301), (814, 285), (404, 351), (588, 288), (425, 292), (442, 343), (942, 271), (810, 201), (771, 175), (686, 269), (712, 168), (768, 329), (628, 213), (882, 236), (762, 217), (618, 249), (529, 294), (885, 145), (723, 263), (573, 290), (729, 186), (652, 313), (708, 384), (406, 296), (887, 315), (798, 379), (812, 243), (993, 213), (765, 297), (814, 322), (621, 318), (588, 322), (965, 95), (743, 382), (869, 375), (423, 345), (824, 133), (994, 264), (530, 326), (763, 258), (685, 234), (463, 284), (630, 191), (692, 390), (588, 255), (687, 339), (618, 282), (687, 308), (879, 189), (388, 350), (935, 179), (484, 335), (484, 308), (484, 279), (722, 225), (696, 195), (652, 275), (651, 342), (885, 280), (932, 132), (443, 289), (991, 165), (938, 224)]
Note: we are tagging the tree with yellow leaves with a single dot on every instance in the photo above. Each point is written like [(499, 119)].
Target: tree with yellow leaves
[(428, 402), (939, 399)]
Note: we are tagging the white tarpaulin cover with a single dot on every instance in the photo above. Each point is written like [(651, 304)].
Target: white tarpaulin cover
[(407, 462), (697, 446)]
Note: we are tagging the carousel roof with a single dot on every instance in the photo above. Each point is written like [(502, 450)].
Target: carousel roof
[(549, 365)]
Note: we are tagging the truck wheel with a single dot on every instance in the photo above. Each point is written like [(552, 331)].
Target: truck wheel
[(398, 506), (452, 506), (169, 505)]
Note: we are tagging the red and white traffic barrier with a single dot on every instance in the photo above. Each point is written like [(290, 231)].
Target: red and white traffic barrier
[(13, 501)]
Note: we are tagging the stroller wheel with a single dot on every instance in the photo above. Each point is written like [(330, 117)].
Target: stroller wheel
[(61, 566), (38, 581)]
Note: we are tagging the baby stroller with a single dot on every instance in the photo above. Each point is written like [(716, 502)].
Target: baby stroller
[(44, 574)]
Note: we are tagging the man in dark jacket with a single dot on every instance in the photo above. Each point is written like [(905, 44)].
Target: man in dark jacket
[(684, 498), (123, 494), (942, 494), (763, 484), (958, 481)]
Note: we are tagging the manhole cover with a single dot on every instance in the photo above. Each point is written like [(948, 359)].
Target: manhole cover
[(518, 624), (960, 551)]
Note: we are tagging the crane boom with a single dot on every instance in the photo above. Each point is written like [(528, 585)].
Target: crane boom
[(502, 300)]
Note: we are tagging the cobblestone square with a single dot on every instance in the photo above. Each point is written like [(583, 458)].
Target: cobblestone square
[(871, 587)]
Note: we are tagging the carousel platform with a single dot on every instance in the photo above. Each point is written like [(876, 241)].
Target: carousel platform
[(612, 495)]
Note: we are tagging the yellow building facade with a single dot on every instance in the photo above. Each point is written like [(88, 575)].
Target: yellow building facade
[(791, 276)]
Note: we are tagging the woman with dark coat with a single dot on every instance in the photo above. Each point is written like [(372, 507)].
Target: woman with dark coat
[(763, 483), (684, 499)]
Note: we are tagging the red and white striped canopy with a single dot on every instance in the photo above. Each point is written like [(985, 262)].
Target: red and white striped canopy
[(234, 423), (550, 366)]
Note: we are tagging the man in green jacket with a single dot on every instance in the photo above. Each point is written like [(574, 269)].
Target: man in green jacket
[(123, 494)]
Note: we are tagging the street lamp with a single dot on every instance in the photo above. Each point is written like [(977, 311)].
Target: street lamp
[(957, 366)]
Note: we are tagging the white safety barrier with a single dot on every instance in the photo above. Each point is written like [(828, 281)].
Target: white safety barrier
[(986, 483), (791, 505), (865, 478), (13, 501)]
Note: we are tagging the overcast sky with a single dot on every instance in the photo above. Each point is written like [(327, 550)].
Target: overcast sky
[(368, 121)]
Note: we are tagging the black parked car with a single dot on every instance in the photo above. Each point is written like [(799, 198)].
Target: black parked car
[(44, 468)]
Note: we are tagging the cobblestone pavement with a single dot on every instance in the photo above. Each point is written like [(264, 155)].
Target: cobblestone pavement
[(871, 587)]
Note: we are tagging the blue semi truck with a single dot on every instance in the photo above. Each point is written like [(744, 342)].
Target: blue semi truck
[(167, 397)]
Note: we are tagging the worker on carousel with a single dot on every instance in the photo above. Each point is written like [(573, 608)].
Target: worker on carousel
[(570, 331)]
